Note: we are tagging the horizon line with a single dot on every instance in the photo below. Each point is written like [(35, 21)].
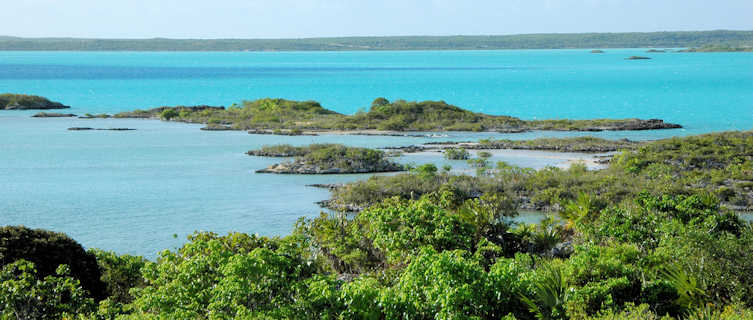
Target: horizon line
[(4, 37)]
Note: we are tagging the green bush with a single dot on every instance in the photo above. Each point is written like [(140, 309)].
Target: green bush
[(48, 250), (457, 154), (25, 294), (169, 114)]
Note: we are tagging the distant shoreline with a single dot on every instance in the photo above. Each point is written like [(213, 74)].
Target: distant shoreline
[(674, 39)]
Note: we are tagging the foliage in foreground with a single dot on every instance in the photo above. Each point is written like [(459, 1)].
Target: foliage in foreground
[(671, 252), (432, 258)]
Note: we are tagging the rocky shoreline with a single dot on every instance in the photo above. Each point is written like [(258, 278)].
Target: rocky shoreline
[(326, 159), (624, 125), (578, 144), (302, 167)]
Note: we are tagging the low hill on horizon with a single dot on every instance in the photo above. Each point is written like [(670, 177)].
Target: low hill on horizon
[(674, 39)]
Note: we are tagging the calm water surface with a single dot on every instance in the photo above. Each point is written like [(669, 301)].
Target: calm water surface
[(132, 191)]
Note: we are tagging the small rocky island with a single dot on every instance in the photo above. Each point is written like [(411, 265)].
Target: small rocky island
[(12, 101), (102, 129), (327, 159), (53, 115), (637, 58)]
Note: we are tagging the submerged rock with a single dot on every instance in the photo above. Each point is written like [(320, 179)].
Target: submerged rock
[(637, 58), (53, 115), (597, 51), (102, 129)]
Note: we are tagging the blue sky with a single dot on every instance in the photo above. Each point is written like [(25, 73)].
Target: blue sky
[(319, 18)]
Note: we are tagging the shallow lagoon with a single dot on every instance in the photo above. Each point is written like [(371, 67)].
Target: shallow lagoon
[(132, 191)]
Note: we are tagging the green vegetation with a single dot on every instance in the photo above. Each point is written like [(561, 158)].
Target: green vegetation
[(667, 256), (457, 154), (95, 116), (47, 250), (719, 48), (286, 150), (575, 144), (400, 115), (25, 294), (10, 101), (327, 159), (647, 238), (683, 39), (718, 163)]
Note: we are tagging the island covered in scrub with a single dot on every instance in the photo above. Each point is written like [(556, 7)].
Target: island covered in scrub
[(383, 116), (719, 48), (651, 237), (12, 101), (327, 159), (720, 164), (573, 144)]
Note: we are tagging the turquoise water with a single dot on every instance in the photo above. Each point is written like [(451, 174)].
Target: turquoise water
[(132, 191)]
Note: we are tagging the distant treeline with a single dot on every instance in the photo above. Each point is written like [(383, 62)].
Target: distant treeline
[(685, 39)]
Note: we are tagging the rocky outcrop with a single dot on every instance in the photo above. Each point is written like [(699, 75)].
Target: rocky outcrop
[(597, 51), (291, 132), (95, 116), (512, 130), (412, 148), (638, 124), (53, 115), (300, 166), (617, 125), (637, 58), (107, 129), (330, 186), (286, 153), (10, 101), (218, 127), (333, 205)]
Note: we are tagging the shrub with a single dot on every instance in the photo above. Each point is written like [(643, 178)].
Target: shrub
[(25, 294), (48, 250), (457, 154), (169, 114)]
